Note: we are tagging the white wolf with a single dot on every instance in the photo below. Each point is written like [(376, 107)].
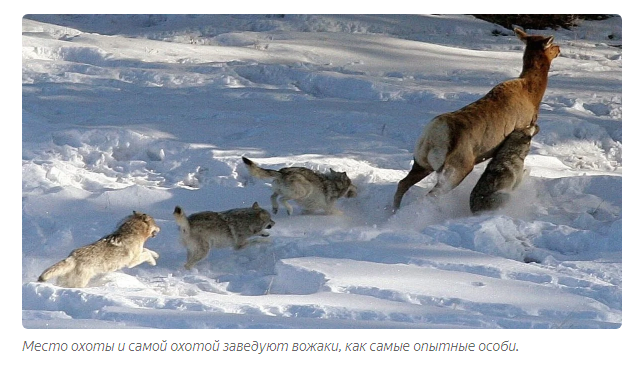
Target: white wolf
[(504, 172), (122, 248), (310, 189), (204, 230)]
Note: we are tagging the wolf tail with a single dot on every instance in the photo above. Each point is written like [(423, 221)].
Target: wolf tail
[(259, 172), (63, 267), (181, 219)]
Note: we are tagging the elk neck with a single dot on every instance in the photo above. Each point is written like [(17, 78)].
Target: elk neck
[(535, 75)]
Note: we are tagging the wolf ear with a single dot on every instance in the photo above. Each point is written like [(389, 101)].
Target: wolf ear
[(548, 41), (535, 130), (256, 206), (178, 210)]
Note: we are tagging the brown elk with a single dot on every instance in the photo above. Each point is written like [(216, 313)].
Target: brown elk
[(452, 143)]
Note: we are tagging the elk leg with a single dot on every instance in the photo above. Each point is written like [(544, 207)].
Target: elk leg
[(417, 173), (450, 176)]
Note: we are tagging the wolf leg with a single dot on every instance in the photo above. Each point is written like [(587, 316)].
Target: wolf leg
[(520, 177), (275, 204), (146, 255), (194, 255), (241, 244), (76, 278), (252, 241), (284, 202), (331, 210)]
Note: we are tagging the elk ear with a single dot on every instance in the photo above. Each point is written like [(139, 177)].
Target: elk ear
[(520, 34)]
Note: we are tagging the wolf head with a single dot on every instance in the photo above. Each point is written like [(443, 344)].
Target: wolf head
[(141, 223), (519, 141), (532, 130), (343, 183), (524, 135), (264, 219)]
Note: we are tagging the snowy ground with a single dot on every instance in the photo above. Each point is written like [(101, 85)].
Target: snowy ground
[(138, 112)]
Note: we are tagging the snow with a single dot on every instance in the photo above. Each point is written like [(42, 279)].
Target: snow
[(136, 112)]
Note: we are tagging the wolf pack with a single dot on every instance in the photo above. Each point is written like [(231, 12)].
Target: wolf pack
[(441, 148)]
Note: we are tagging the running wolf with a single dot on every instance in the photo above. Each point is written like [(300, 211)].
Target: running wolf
[(312, 190), (504, 172), (122, 248), (204, 230)]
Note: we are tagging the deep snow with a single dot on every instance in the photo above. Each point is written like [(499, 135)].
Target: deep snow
[(147, 112)]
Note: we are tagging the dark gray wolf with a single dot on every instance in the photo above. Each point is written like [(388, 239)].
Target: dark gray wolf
[(312, 190), (504, 172), (204, 230)]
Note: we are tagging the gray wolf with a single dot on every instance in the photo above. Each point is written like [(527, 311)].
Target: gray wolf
[(504, 172), (453, 143), (203, 230), (122, 248), (310, 189)]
